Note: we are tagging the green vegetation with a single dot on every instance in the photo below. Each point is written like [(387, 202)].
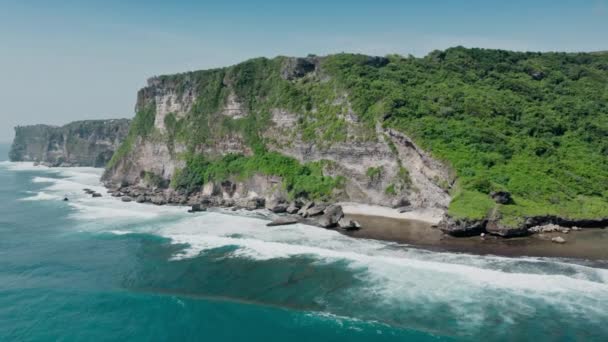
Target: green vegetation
[(530, 123), (259, 88), (374, 173), (154, 180), (533, 124), (142, 126), (299, 180), (390, 190)]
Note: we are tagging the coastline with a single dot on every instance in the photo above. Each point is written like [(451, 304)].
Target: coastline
[(589, 243), (417, 228), (428, 215)]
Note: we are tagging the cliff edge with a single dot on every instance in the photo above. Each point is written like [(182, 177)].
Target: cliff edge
[(80, 143), (496, 140)]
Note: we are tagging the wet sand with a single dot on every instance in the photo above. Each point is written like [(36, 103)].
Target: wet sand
[(591, 243)]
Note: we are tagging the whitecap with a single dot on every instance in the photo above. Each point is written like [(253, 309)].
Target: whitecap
[(391, 275), (41, 196)]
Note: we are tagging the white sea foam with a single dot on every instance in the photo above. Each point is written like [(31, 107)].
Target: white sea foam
[(22, 166), (41, 196), (399, 277), (120, 232), (391, 274)]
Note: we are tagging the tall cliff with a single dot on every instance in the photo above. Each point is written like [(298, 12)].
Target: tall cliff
[(80, 143), (274, 128), (449, 131)]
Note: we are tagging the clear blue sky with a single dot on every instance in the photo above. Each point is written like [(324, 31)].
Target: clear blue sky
[(64, 60)]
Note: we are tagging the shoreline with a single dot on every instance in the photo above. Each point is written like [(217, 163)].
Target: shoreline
[(417, 228), (587, 244), (428, 215)]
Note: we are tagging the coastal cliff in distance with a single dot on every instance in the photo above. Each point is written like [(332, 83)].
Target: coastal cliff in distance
[(80, 143), (498, 141)]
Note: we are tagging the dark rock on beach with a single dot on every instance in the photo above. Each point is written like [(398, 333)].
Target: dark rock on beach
[(292, 208), (331, 216), (197, 208), (494, 227), (462, 227), (277, 206), (255, 203), (317, 209), (347, 224), (304, 209), (284, 220)]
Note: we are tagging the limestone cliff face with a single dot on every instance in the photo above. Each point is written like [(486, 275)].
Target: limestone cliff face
[(379, 166), (80, 143)]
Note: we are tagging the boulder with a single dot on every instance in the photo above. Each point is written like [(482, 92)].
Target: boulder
[(283, 221), (277, 206), (140, 199), (228, 202), (546, 228), (494, 227), (158, 200), (197, 208), (206, 200), (400, 203), (292, 208), (347, 224), (304, 209), (318, 209), (558, 239), (323, 222), (255, 203), (501, 197), (334, 213), (96, 194), (462, 227), (126, 199)]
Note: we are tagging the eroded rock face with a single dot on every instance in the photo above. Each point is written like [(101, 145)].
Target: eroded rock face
[(331, 216), (80, 143), (298, 67), (462, 227), (496, 228), (404, 174)]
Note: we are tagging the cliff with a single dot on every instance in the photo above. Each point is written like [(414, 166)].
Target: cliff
[(448, 131), (317, 149), (80, 143)]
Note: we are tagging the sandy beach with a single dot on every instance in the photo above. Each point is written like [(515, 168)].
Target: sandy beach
[(430, 216), (591, 244)]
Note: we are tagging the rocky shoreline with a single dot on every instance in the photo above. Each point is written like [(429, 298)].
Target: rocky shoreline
[(331, 215), (314, 213), (531, 225)]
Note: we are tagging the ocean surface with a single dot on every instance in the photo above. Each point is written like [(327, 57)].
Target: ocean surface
[(98, 269)]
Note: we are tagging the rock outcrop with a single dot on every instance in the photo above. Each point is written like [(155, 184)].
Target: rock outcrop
[(80, 143), (377, 165)]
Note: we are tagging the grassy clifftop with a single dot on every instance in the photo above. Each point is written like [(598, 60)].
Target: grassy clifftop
[(533, 124)]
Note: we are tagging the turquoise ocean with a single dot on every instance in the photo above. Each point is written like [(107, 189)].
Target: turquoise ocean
[(98, 269)]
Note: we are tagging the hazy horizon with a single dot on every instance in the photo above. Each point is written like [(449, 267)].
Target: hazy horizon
[(69, 61)]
